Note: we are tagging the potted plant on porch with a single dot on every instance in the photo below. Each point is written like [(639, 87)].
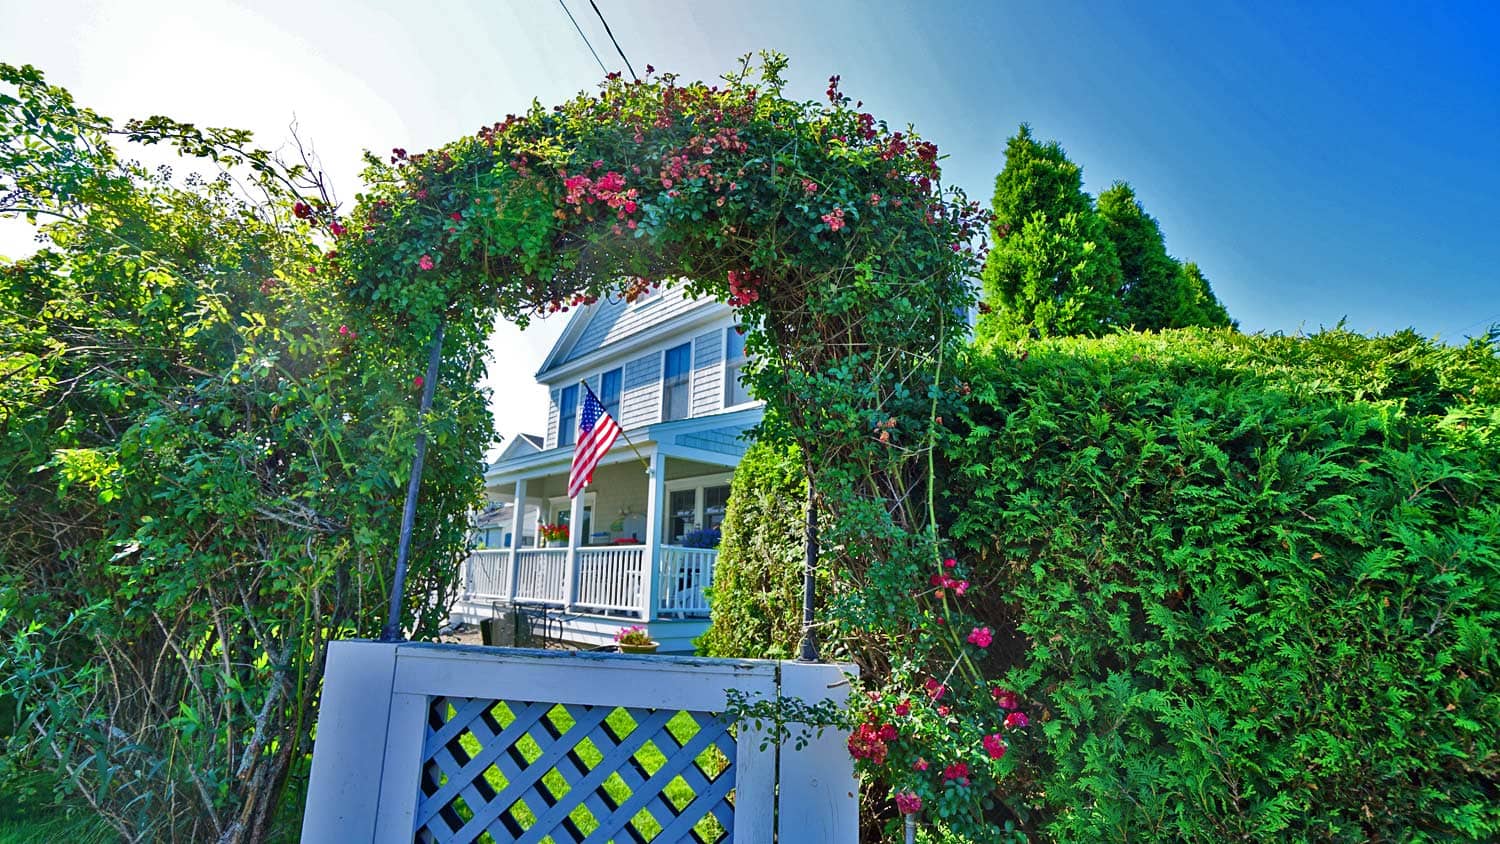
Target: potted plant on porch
[(636, 640), (553, 535)]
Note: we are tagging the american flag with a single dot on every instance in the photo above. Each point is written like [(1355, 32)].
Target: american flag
[(597, 431)]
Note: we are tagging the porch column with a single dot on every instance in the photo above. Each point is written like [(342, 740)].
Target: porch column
[(570, 570), (656, 479), (517, 529)]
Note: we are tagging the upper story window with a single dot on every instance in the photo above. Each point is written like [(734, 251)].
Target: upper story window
[(735, 392), (567, 415), (675, 388), (609, 393)]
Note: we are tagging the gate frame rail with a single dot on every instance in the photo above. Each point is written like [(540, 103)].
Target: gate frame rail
[(367, 756)]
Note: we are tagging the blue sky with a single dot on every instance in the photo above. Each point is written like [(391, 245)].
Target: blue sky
[(1318, 165)]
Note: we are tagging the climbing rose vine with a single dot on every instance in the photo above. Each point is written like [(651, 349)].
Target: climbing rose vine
[(847, 261)]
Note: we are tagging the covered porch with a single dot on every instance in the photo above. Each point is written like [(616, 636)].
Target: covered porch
[(641, 546)]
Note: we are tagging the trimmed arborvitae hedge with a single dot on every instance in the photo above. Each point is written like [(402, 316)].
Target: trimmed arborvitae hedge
[(1258, 580), (757, 594)]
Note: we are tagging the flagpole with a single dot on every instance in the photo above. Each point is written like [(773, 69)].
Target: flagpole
[(623, 435)]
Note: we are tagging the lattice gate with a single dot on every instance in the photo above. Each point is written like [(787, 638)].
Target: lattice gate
[(503, 745)]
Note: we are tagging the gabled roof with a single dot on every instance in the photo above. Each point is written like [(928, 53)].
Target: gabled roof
[(519, 446), (608, 322)]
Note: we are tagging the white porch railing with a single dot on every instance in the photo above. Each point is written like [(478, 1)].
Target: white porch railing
[(604, 579), (610, 578), (488, 572), (446, 743), (541, 576), (685, 573)]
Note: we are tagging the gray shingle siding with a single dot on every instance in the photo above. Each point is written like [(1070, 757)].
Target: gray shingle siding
[(641, 402), (708, 373), (612, 321)]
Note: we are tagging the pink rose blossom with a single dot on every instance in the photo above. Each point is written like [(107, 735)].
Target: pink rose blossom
[(908, 803), (1016, 719), (920, 764), (957, 771), (425, 262), (994, 745), (981, 637), (1005, 698), (935, 690)]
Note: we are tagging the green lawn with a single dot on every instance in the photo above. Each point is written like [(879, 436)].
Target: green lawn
[(48, 824), (678, 792)]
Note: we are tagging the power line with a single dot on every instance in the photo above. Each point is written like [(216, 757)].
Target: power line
[(586, 38), (612, 39)]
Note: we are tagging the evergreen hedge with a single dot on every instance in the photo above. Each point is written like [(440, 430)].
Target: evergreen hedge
[(1258, 581), (757, 595)]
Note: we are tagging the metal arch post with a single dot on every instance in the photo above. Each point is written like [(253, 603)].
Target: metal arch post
[(392, 630), (809, 650)]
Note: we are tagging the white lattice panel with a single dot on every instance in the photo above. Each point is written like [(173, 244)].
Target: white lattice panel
[(503, 771)]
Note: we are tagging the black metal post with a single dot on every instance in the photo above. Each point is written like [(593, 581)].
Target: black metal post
[(392, 631), (809, 579)]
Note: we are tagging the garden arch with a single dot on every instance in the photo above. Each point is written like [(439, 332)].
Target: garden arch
[(846, 260), (830, 234)]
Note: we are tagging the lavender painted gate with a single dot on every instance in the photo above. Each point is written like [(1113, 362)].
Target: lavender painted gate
[(446, 743)]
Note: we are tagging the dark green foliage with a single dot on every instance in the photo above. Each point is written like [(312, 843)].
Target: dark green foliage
[(1063, 265), (201, 468), (757, 595), (1259, 578), (1051, 270), (1155, 290)]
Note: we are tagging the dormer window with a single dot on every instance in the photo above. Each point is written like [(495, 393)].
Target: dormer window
[(674, 388), (567, 415)]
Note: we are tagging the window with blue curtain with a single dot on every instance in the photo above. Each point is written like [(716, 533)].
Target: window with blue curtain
[(674, 404), (609, 393), (567, 415)]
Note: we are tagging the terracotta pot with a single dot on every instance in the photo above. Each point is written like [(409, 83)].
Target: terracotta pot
[(648, 648)]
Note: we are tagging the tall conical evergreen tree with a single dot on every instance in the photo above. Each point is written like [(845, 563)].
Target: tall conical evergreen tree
[(1151, 296), (1156, 290), (1052, 270), (1198, 305)]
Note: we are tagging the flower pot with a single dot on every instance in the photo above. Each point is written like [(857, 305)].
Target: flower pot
[(648, 648)]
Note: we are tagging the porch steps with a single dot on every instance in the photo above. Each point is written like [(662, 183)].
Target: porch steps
[(587, 630)]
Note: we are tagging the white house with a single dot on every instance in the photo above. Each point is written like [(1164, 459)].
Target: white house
[(666, 368)]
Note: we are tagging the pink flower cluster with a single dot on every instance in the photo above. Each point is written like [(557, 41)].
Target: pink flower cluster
[(981, 637), (994, 745), (744, 288), (943, 581), (935, 690), (908, 803), (869, 741), (834, 219), (958, 771)]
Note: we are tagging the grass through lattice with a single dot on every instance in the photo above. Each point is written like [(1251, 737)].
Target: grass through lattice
[(650, 758)]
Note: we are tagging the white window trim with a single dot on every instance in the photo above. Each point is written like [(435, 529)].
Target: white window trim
[(751, 401), (661, 408), (698, 484)]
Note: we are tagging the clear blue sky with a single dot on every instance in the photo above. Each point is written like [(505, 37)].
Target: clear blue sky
[(1322, 164)]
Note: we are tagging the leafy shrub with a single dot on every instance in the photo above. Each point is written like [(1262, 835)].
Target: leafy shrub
[(201, 464), (1258, 580), (757, 593)]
